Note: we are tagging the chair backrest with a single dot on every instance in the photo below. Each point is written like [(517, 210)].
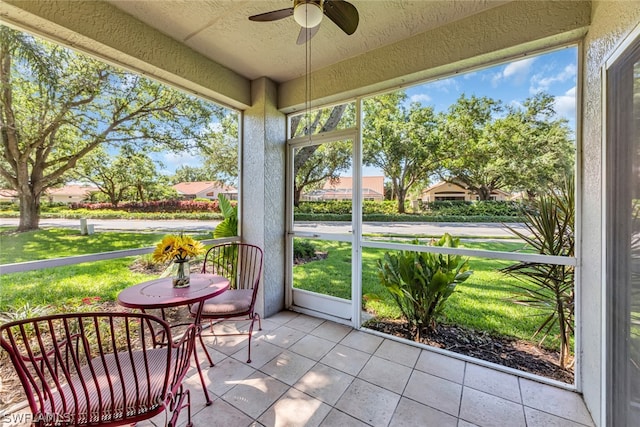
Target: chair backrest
[(95, 368), (241, 263)]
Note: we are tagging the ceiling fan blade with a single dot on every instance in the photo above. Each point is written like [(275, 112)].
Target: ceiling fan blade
[(306, 34), (274, 15), (343, 14)]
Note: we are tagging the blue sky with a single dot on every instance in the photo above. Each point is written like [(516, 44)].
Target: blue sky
[(512, 83)]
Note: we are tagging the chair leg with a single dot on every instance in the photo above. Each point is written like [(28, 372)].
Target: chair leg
[(179, 405), (206, 352), (253, 319)]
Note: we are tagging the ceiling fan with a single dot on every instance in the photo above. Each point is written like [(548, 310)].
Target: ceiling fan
[(308, 14)]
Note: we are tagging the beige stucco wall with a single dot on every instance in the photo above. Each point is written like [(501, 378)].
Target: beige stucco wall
[(263, 190), (102, 30), (611, 22)]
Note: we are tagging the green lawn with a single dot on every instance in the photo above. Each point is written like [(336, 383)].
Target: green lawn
[(64, 242), (481, 302), (69, 284)]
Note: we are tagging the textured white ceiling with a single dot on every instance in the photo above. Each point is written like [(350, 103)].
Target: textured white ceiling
[(221, 30)]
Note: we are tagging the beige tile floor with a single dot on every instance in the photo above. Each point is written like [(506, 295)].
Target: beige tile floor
[(307, 371), (310, 372)]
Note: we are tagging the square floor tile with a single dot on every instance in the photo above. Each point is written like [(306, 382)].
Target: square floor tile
[(488, 410), (255, 394), (295, 409), (386, 374), (288, 367), (441, 366), (283, 316), (369, 403), (312, 347), (228, 345), (463, 423), (261, 353), (493, 382), (215, 355), (338, 418), (362, 341), (433, 391), (224, 376), (346, 359), (537, 418), (198, 400), (332, 331), (282, 336), (218, 414), (267, 325), (554, 400), (403, 354), (325, 383), (304, 323), (410, 413)]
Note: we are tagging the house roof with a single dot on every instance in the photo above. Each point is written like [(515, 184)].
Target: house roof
[(73, 190), (440, 184), (196, 187), (6, 193), (370, 184)]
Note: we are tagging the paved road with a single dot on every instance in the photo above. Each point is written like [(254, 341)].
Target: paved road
[(403, 228)]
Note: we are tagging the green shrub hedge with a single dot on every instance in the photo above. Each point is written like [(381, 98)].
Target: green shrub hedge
[(342, 207), (480, 207)]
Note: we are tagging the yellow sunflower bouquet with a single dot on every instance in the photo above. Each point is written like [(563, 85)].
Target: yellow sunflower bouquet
[(177, 248)]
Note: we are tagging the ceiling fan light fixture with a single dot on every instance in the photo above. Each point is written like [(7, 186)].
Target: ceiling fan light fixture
[(308, 14)]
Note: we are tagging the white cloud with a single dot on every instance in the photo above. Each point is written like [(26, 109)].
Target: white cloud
[(518, 69), (540, 82), (516, 72), (445, 84), (565, 104), (420, 97)]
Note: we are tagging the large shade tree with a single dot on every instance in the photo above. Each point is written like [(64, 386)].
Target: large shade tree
[(128, 176), (521, 148), (400, 140), (57, 106), (539, 149)]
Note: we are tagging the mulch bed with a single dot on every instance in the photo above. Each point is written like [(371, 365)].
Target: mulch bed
[(504, 351)]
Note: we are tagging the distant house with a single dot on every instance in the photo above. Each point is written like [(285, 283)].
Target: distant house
[(7, 195), (70, 193), (450, 191), (205, 190), (342, 189)]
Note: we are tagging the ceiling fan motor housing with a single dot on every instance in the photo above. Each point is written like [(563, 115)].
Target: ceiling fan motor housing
[(308, 13)]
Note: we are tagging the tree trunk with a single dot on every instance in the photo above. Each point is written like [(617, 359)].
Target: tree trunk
[(297, 192), (402, 193), (484, 193), (29, 212)]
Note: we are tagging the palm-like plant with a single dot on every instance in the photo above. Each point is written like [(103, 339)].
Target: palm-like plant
[(229, 226), (550, 224), (421, 282)]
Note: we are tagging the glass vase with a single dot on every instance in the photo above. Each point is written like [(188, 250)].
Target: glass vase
[(180, 273)]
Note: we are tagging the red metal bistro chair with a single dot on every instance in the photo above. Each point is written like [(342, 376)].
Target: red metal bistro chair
[(99, 369), (241, 263)]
